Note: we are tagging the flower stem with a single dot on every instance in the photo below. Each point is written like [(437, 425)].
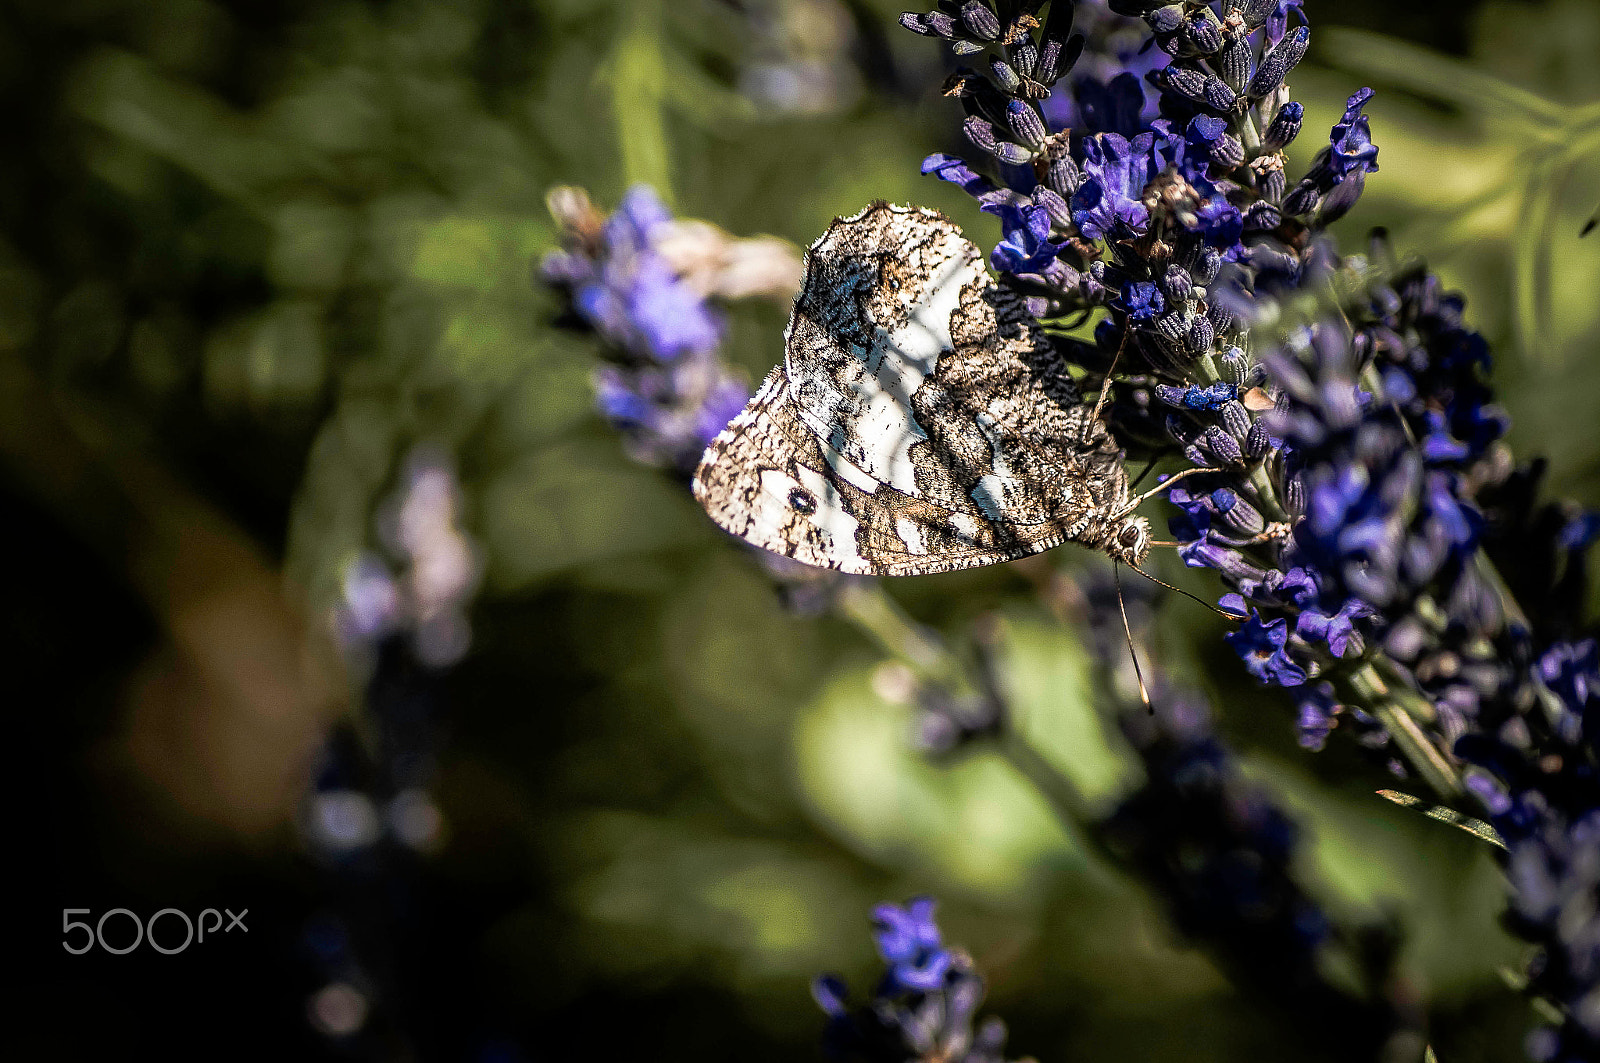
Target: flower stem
[(871, 609), (1402, 714)]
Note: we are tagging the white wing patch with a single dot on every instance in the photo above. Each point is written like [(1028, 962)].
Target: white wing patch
[(831, 518), (862, 404), (994, 491), (847, 470)]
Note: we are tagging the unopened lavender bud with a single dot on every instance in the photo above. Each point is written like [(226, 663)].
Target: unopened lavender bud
[(1284, 128), (1025, 58), (1294, 497), (1207, 90), (1233, 365), (1025, 122), (1049, 67), (1236, 419), (980, 21), (1173, 326), (1243, 517), (1257, 441), (1063, 175), (1206, 266), (1227, 151), (1218, 95), (1015, 154), (941, 24), (1303, 200), (1177, 284), (1054, 205), (1200, 336), (1276, 64), (1221, 318), (1272, 186), (1262, 217), (1237, 62), (1167, 19), (1005, 76), (980, 131), (1203, 32), (1252, 12), (1223, 445)]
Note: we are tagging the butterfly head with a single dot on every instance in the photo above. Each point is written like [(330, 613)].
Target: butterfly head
[(1131, 542)]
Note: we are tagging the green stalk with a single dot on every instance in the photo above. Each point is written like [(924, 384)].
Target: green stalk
[(1403, 714), (637, 73), (879, 616)]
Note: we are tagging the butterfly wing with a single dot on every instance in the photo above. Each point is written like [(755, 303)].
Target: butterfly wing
[(920, 416)]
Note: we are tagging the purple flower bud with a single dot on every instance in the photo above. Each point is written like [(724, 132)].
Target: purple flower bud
[(1025, 58), (1252, 12), (1242, 517), (1223, 445), (980, 131), (1276, 64), (1025, 121), (1272, 188), (1237, 62), (1203, 32), (1174, 327), (1168, 19), (1262, 217), (1205, 90), (980, 21), (1221, 318), (1234, 365), (1284, 128), (1303, 200), (1294, 497), (1063, 175), (1012, 154), (1236, 419), (1176, 283), (1005, 76), (1257, 441)]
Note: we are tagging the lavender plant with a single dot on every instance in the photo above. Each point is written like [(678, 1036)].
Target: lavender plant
[(924, 1006), (1386, 559), (1357, 452)]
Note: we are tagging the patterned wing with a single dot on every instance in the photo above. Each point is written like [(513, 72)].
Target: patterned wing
[(920, 407), (767, 480)]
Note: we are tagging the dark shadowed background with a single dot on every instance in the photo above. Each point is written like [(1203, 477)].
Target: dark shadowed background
[(254, 255)]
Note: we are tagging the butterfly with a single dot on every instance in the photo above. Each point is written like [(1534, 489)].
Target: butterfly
[(921, 420)]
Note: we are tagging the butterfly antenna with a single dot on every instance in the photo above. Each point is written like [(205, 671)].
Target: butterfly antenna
[(1138, 500), (1127, 629), (1235, 617)]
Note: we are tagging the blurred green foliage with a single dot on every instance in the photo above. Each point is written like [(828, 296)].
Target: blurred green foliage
[(268, 248)]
